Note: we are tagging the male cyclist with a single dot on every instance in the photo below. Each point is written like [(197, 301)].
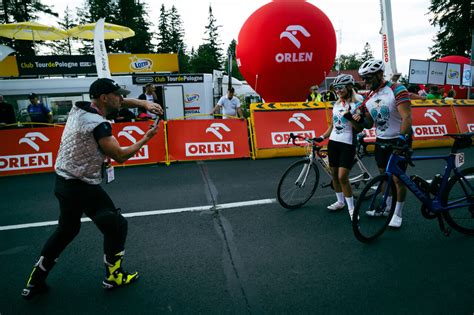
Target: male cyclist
[(388, 107)]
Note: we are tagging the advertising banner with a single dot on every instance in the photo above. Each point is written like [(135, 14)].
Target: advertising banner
[(465, 117), (453, 74), (47, 65), (29, 150), (467, 75), (273, 128), (168, 79), (129, 133), (418, 72), (143, 63), (100, 52), (437, 73), (207, 139), (432, 123)]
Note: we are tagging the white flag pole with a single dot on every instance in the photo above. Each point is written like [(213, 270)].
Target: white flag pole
[(100, 53)]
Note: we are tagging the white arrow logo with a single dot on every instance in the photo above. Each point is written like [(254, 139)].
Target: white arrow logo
[(215, 127), (291, 32), (296, 118), (430, 113), (30, 138), (127, 133)]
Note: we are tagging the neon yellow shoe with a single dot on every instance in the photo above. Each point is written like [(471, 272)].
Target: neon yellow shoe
[(115, 276), (36, 283)]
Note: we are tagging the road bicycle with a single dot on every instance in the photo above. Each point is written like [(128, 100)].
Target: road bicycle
[(446, 198), (300, 180)]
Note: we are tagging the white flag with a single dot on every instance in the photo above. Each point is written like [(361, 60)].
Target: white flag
[(100, 53), (467, 75), (5, 51)]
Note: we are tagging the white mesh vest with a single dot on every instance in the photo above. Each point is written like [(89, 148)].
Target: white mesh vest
[(79, 155)]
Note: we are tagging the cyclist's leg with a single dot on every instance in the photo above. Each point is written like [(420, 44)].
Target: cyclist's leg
[(333, 156)]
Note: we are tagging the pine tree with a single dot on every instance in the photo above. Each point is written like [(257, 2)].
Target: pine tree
[(456, 26), (212, 39), (235, 69), (64, 47), (13, 11), (367, 53), (164, 35), (176, 39)]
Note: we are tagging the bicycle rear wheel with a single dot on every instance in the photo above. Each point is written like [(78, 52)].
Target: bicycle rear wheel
[(460, 190), (298, 184), (359, 185), (372, 214)]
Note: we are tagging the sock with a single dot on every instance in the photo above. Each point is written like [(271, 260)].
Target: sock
[(399, 208), (340, 197), (350, 202)]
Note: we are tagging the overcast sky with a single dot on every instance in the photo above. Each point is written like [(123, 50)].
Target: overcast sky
[(358, 22)]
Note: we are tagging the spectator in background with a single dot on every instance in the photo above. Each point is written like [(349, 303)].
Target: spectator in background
[(7, 113), (230, 105), (314, 95), (434, 94), (413, 91), (38, 112), (329, 95), (142, 114), (450, 96), (150, 95)]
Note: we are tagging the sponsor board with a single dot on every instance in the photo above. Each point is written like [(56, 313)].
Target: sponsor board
[(432, 123), (429, 130), (465, 117), (209, 148)]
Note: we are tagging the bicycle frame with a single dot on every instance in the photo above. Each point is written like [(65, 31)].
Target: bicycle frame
[(433, 205)]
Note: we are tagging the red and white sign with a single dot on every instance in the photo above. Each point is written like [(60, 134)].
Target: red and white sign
[(432, 122), (207, 139), (29, 150), (273, 128), (465, 117), (129, 133)]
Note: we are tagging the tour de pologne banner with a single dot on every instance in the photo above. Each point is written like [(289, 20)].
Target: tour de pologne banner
[(207, 139), (34, 150)]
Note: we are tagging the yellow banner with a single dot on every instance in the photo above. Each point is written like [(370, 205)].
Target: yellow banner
[(143, 63), (9, 67)]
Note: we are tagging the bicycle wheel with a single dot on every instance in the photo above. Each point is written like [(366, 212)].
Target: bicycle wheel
[(372, 215), (298, 184), (359, 184), (460, 190)]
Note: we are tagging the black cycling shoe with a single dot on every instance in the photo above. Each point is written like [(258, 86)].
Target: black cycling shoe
[(33, 290)]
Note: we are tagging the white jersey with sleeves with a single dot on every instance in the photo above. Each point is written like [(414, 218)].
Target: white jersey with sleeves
[(229, 107), (382, 106), (342, 130)]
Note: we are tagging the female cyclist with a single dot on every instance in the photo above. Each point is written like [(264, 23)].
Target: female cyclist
[(342, 140)]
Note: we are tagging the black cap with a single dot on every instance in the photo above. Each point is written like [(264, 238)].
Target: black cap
[(32, 96), (105, 86)]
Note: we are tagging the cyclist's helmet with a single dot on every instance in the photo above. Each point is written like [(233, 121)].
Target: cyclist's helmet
[(371, 66), (344, 79)]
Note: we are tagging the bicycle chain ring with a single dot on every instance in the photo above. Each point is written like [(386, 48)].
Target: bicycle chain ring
[(426, 214)]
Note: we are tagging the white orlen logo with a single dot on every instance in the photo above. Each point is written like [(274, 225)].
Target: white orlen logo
[(297, 117), (431, 113), (211, 148), (127, 132), (215, 127), (30, 138), (291, 32)]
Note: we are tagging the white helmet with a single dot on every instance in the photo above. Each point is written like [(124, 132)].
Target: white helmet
[(344, 79), (371, 66)]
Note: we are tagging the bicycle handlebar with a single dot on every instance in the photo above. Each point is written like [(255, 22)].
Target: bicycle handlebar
[(311, 141), (405, 150)]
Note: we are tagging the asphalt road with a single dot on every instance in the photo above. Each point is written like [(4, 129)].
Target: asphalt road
[(215, 254)]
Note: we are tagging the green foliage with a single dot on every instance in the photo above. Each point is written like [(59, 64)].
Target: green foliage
[(453, 17), (235, 69), (353, 61), (367, 53), (64, 47), (164, 45)]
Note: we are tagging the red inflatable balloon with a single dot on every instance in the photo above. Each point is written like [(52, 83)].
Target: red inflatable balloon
[(461, 91), (285, 47)]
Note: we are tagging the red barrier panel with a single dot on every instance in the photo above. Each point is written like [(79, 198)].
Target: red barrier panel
[(207, 139), (465, 117), (129, 133), (432, 122), (29, 150), (273, 128)]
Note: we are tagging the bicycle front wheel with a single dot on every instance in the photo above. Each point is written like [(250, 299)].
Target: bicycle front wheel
[(298, 184), (460, 191), (373, 214)]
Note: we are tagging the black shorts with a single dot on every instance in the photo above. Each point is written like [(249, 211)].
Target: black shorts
[(382, 155), (341, 154)]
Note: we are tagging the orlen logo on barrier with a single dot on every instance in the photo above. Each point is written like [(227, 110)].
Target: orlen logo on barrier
[(212, 148), (189, 98), (291, 33), (431, 130), (28, 161), (128, 132), (281, 137), (138, 64)]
